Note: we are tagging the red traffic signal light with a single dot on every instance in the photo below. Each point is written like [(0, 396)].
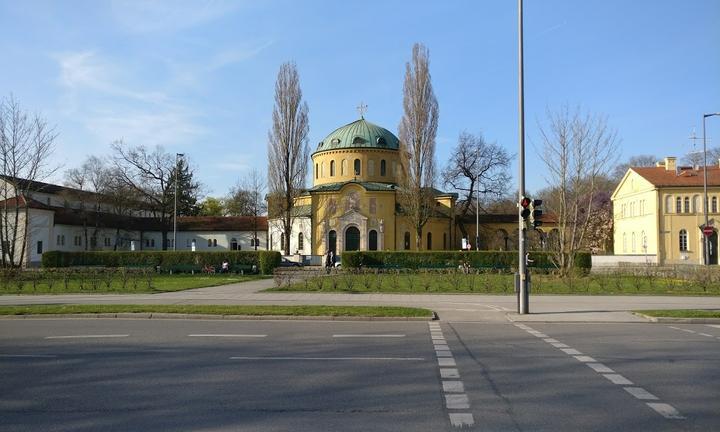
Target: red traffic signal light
[(525, 202)]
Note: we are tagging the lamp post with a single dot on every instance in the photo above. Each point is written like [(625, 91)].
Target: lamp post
[(705, 193), (522, 277), (477, 203), (177, 158)]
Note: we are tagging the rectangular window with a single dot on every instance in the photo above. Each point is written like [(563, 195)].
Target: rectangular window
[(39, 247), (57, 242), (187, 243), (152, 242), (107, 241)]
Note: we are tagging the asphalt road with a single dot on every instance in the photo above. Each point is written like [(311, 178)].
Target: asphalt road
[(173, 375)]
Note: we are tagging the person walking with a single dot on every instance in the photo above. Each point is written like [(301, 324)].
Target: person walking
[(328, 261)]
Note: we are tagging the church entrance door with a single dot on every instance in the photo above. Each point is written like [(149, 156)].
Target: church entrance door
[(332, 241), (352, 239)]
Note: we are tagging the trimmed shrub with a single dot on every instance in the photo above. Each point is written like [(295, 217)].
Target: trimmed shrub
[(265, 261), (498, 260)]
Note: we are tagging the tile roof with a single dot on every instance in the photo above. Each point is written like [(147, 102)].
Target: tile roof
[(684, 177)]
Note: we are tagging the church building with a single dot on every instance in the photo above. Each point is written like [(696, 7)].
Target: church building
[(353, 203)]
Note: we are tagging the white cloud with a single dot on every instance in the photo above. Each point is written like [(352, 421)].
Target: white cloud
[(143, 16)]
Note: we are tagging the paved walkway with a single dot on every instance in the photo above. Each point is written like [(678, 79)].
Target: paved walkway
[(450, 307)]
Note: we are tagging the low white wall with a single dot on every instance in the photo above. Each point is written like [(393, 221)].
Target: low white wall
[(620, 260)]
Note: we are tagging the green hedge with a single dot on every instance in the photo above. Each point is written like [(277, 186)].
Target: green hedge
[(266, 261), (434, 259)]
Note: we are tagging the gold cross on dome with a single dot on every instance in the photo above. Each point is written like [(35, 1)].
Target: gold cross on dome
[(362, 109)]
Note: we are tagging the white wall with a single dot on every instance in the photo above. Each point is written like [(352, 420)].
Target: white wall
[(300, 224)]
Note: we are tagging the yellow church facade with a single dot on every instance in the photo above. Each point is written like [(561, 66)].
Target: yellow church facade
[(353, 205), (658, 214)]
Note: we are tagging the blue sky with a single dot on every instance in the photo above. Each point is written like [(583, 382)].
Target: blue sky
[(197, 77)]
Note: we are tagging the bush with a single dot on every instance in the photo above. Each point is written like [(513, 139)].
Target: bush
[(500, 260), (265, 261)]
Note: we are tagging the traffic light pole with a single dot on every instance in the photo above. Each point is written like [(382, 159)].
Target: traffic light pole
[(522, 277)]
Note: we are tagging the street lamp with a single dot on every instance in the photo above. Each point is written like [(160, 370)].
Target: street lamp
[(477, 202), (705, 204), (177, 158)]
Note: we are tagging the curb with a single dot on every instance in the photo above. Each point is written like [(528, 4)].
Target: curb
[(147, 315), (671, 320)]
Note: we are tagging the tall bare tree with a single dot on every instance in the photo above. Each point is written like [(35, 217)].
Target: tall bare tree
[(476, 166), (579, 149), (417, 131), (89, 184), (151, 175), (288, 151), (635, 161), (26, 143)]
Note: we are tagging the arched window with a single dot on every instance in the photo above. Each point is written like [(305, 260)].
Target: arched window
[(444, 241), (687, 204), (332, 241), (343, 167), (633, 242), (406, 241), (624, 242), (696, 204), (668, 204), (383, 167), (332, 168), (209, 243), (371, 167), (317, 172), (713, 209), (683, 241), (429, 241), (372, 240), (678, 205), (356, 166), (300, 240), (214, 242)]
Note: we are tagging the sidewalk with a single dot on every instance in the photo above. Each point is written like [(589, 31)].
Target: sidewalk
[(449, 307)]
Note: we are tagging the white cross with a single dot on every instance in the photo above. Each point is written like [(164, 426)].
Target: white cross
[(362, 109)]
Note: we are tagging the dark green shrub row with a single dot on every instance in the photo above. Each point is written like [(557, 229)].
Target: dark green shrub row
[(435, 259), (266, 261)]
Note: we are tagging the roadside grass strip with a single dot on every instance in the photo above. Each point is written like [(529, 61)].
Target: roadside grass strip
[(665, 410), (239, 310), (453, 388), (681, 313)]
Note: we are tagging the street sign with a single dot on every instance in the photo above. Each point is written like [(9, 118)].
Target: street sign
[(708, 231)]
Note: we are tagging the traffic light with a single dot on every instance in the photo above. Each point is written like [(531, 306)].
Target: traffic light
[(525, 204), (535, 213)]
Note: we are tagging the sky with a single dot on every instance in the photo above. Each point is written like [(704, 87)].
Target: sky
[(197, 77)]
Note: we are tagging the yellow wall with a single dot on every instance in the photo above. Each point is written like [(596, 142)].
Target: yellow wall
[(322, 175), (635, 217)]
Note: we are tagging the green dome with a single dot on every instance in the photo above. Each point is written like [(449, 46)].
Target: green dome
[(359, 134)]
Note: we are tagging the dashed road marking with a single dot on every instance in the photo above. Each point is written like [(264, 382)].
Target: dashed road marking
[(461, 419), (666, 410), (449, 373), (446, 362), (368, 335), (706, 335), (457, 401), (227, 335), (453, 387), (88, 336), (27, 356), (640, 393), (713, 325)]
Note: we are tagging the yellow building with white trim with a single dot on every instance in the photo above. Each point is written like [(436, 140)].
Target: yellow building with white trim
[(658, 214)]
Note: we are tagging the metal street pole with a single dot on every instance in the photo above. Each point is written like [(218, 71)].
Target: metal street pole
[(477, 204), (177, 156), (523, 298), (706, 238)]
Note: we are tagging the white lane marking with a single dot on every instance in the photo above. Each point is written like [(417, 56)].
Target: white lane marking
[(584, 358), (665, 410), (87, 336), (551, 340), (706, 335), (440, 345), (466, 310), (600, 368), (453, 387), (443, 353), (446, 362), (640, 393), (618, 379), (559, 345), (27, 356), (688, 330), (434, 337), (331, 358), (219, 335), (368, 335), (457, 401), (449, 373), (673, 327), (461, 419), (713, 325), (571, 351)]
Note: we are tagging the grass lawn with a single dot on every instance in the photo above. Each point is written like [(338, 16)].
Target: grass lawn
[(493, 283), (356, 311), (682, 313), (150, 283)]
